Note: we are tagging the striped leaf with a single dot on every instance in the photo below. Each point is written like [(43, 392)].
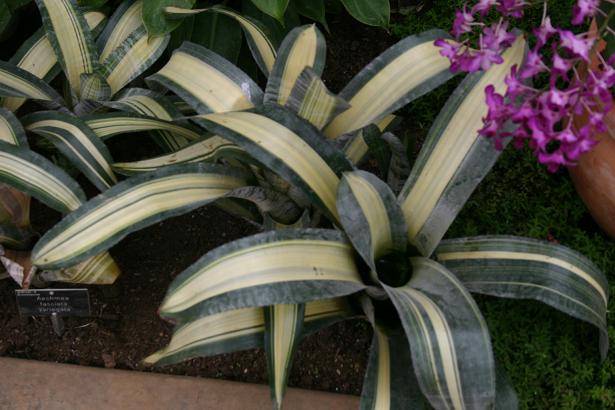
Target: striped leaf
[(302, 47), (204, 150), (390, 382), (357, 148), (16, 82), (131, 57), (399, 166), (151, 104), (11, 130), (370, 216), (34, 175), (100, 269), (125, 19), (36, 55), (107, 125), (154, 17), (454, 158), (71, 38), (74, 139), (283, 326), (288, 146), (206, 81), (404, 72), (262, 48), (131, 205), (312, 101), (265, 269), (238, 329), (524, 268), (449, 339)]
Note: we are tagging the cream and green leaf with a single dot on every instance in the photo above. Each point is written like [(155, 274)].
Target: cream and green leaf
[(262, 270), (523, 268), (129, 206), (206, 81), (454, 158), (74, 139), (448, 337)]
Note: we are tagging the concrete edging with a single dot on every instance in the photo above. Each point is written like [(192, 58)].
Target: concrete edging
[(29, 385)]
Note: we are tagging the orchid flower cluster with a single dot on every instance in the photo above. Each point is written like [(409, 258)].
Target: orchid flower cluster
[(542, 117)]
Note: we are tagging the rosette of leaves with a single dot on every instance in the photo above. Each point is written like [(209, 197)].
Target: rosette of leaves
[(385, 261)]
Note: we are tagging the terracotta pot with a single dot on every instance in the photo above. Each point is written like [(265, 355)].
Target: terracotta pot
[(594, 179)]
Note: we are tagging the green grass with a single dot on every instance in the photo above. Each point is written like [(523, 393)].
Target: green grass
[(551, 358)]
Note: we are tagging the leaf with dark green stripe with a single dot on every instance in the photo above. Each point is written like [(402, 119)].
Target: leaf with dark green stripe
[(125, 19), (74, 139), (110, 124), (362, 142), (524, 268), (100, 269), (71, 38), (312, 101), (11, 130), (404, 72), (265, 269), (303, 47), (151, 104), (287, 145), (205, 150), (389, 381), (34, 175), (261, 46), (207, 81), (399, 164), (454, 158), (283, 326), (132, 57), (238, 329), (371, 217), (131, 205), (16, 82), (449, 339)]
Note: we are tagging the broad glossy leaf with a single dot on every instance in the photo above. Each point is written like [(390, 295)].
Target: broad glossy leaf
[(303, 47), (34, 175), (219, 33), (129, 206), (454, 158), (524, 268), (313, 9), (449, 339), (370, 12), (206, 81), (288, 146), (75, 140), (262, 270), (370, 216), (404, 72), (155, 19), (274, 8)]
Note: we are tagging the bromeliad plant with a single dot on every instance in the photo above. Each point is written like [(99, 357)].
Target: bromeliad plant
[(386, 260)]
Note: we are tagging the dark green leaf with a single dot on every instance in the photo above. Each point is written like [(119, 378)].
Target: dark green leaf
[(156, 23), (370, 12), (313, 9), (274, 8), (219, 33)]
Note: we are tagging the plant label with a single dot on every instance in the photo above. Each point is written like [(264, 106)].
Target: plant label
[(53, 302)]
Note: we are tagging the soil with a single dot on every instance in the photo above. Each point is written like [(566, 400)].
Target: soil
[(125, 327)]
